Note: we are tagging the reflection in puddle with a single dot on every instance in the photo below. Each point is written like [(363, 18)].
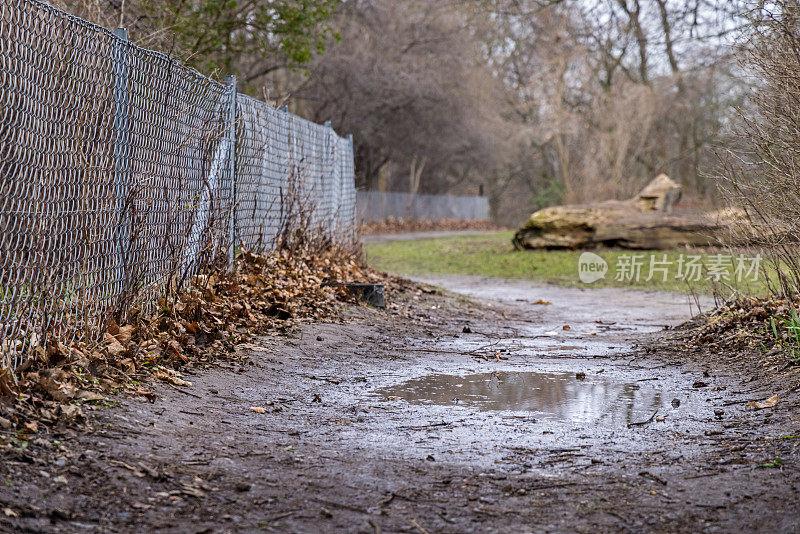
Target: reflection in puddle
[(549, 395)]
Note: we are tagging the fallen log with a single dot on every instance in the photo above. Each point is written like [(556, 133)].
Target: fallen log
[(645, 221)]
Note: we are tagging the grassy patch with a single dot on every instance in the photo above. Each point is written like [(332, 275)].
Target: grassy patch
[(492, 255)]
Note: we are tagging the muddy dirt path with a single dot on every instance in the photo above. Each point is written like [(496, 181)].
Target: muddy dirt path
[(441, 414)]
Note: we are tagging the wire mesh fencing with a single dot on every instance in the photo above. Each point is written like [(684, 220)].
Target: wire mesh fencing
[(123, 173), (380, 206)]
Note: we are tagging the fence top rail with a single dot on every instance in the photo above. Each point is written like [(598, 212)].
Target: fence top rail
[(47, 9), (113, 38), (302, 122), (10, 9)]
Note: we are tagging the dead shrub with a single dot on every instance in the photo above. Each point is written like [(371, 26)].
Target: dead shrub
[(761, 178)]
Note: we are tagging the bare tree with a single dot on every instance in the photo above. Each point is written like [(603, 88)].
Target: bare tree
[(410, 81), (540, 101), (608, 94), (761, 175)]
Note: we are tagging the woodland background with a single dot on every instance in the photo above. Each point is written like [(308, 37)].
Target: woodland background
[(533, 102)]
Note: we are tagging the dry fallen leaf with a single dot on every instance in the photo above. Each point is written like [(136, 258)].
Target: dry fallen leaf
[(258, 409), (8, 384), (127, 365), (59, 390), (115, 348), (31, 427), (71, 412), (125, 333), (166, 376), (760, 405), (89, 396), (145, 393)]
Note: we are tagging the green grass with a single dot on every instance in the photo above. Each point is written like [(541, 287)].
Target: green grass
[(492, 255), (790, 341)]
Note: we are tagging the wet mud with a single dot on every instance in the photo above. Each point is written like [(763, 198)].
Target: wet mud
[(442, 413), (567, 397)]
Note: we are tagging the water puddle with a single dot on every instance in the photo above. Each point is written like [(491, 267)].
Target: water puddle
[(559, 396)]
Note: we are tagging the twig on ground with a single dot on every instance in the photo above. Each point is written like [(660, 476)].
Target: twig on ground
[(419, 527), (176, 388), (281, 516)]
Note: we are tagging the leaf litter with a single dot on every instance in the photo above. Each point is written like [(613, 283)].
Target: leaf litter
[(262, 295)]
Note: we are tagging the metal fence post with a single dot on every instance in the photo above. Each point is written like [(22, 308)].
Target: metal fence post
[(327, 184), (230, 82), (121, 153), (351, 165)]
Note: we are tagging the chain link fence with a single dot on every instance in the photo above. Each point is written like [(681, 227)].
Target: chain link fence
[(124, 173), (380, 206)]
